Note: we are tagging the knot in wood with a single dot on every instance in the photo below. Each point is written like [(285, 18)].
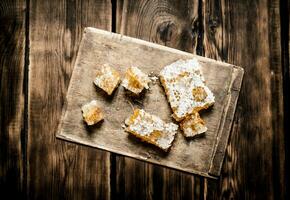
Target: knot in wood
[(165, 30)]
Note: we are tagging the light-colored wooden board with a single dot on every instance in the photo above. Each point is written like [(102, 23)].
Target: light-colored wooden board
[(201, 156)]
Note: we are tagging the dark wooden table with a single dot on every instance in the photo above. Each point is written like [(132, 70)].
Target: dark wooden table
[(38, 45)]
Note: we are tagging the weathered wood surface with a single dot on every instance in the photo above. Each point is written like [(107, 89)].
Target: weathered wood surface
[(224, 30), (57, 169), (202, 156), (229, 27), (254, 166), (12, 98)]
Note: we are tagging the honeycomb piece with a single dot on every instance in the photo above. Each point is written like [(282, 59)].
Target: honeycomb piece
[(135, 80), (151, 129), (92, 113), (193, 125), (185, 88), (107, 79)]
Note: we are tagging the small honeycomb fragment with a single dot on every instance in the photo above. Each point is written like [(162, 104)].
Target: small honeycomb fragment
[(92, 113), (107, 79), (135, 80), (193, 125)]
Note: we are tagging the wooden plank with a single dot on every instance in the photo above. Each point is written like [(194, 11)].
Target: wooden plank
[(180, 28), (248, 34), (170, 23), (12, 97), (285, 45), (57, 169)]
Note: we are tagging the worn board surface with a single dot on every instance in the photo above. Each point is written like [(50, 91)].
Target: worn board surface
[(202, 156)]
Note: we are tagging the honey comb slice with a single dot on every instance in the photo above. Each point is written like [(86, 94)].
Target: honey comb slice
[(107, 79), (151, 129), (193, 125), (92, 113), (185, 89), (135, 80)]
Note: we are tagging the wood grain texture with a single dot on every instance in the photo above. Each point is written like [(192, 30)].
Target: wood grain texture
[(170, 23), (12, 65), (175, 24), (57, 169), (237, 32), (248, 34)]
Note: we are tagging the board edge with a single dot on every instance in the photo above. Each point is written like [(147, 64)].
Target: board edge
[(219, 154)]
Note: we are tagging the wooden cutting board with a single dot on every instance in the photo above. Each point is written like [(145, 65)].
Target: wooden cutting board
[(203, 155)]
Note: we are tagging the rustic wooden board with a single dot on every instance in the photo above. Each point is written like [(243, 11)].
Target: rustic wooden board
[(201, 156)]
